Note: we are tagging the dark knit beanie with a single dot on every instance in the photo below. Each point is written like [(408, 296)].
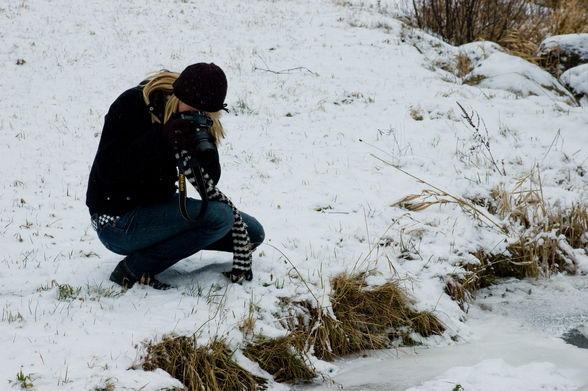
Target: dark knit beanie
[(202, 86)]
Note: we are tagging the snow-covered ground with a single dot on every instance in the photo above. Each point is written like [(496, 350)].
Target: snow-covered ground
[(307, 80)]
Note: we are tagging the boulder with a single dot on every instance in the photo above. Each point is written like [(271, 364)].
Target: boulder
[(576, 80), (562, 52), (492, 68)]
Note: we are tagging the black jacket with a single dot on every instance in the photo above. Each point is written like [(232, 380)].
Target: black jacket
[(134, 165)]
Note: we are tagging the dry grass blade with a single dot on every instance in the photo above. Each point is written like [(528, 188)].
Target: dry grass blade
[(465, 205), (418, 202)]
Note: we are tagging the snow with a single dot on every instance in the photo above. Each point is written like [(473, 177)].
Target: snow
[(307, 80)]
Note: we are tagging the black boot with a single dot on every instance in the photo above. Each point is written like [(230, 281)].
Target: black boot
[(126, 278)]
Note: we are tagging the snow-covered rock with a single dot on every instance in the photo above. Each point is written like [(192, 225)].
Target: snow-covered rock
[(492, 68), (564, 52), (576, 80)]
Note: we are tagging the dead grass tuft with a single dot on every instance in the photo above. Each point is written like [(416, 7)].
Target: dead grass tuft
[(416, 114), (543, 239), (371, 317), (282, 358), (436, 196), (463, 65), (362, 317), (320, 329), (204, 368), (463, 288), (548, 232)]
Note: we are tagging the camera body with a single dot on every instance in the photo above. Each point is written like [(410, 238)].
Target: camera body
[(203, 141)]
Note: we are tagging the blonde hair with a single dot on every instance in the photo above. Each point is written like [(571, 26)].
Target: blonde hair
[(163, 80)]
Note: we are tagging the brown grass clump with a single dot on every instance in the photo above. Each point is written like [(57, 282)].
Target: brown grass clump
[(548, 232), (328, 337), (282, 358), (463, 287), (371, 317), (362, 318), (572, 223), (320, 329), (436, 196), (463, 65), (542, 238), (204, 368), (541, 248)]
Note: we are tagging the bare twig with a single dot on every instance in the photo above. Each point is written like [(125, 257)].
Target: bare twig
[(483, 140), (557, 135), (296, 270), (221, 304), (285, 71)]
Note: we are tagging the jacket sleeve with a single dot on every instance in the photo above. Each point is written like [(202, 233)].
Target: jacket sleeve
[(130, 144), (210, 163)]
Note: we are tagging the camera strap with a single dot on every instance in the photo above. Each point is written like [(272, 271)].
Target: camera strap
[(193, 170)]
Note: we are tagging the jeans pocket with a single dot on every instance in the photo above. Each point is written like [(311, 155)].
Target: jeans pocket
[(124, 222)]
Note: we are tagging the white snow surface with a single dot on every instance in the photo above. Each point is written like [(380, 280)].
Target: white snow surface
[(307, 81)]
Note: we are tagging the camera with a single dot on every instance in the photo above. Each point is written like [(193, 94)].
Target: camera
[(201, 123)]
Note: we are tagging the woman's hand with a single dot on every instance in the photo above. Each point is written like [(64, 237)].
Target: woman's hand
[(178, 133), (239, 277)]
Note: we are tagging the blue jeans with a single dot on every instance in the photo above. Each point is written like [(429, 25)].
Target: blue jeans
[(155, 237)]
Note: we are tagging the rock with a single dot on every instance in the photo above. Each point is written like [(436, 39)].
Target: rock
[(562, 52), (576, 80), (492, 68)]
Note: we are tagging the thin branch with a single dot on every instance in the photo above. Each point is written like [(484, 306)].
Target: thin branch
[(285, 71), (484, 141), (295, 269)]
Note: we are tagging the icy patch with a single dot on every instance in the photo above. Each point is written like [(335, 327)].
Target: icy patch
[(496, 374)]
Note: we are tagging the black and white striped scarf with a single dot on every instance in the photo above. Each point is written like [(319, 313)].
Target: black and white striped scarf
[(242, 246)]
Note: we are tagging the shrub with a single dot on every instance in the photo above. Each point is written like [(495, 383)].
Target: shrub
[(463, 21), (518, 25)]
